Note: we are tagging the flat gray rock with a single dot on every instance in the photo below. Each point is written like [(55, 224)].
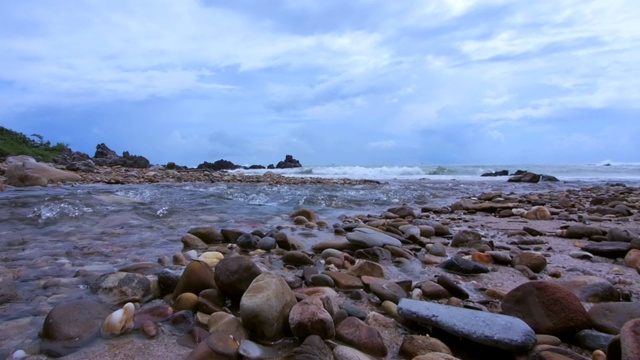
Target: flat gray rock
[(366, 237), (497, 330)]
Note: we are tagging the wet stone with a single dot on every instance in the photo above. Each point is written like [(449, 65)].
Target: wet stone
[(462, 266)]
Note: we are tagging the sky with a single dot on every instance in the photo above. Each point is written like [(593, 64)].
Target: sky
[(359, 82)]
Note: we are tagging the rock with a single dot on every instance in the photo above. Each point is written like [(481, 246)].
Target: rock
[(225, 323), (427, 231), (82, 166), (247, 241), (496, 173), (312, 348), (593, 340), (297, 258), (345, 281), (367, 237), (190, 241), (632, 259), (387, 290), (267, 243), (531, 259), (609, 317), (355, 332), (342, 352), (630, 340), (435, 356), (452, 288), (186, 301), (366, 268), (621, 235), (375, 254), (25, 171), (197, 276), (211, 258), (467, 238), (496, 330), (121, 287), (581, 231), (208, 234), (307, 213), (462, 266), (608, 249), (231, 235), (265, 306), (526, 177), (71, 325), (107, 157), (415, 345), (250, 350), (218, 165), (288, 163), (234, 274), (591, 289), (402, 211), (119, 321), (548, 352), (547, 307), (309, 317), (8, 291), (433, 291), (538, 213)]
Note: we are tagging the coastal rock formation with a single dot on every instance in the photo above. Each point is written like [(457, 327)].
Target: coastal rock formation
[(107, 157), (496, 173), (219, 165), (25, 171), (529, 177), (288, 163)]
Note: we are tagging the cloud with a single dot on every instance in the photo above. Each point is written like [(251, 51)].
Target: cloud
[(385, 144)]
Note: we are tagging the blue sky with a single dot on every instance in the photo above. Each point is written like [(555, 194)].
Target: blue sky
[(330, 82)]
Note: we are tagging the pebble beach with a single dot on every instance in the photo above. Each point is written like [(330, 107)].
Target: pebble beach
[(476, 270)]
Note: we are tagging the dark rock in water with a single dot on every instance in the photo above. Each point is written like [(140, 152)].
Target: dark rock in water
[(497, 330), (462, 266), (218, 165), (71, 325), (256, 167), (208, 234), (288, 163), (121, 287), (529, 177), (496, 173)]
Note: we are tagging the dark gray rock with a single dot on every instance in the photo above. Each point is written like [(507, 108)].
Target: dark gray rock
[(462, 266), (367, 237), (497, 330), (593, 340), (608, 249)]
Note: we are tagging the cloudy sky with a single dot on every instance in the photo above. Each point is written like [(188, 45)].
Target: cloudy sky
[(330, 82)]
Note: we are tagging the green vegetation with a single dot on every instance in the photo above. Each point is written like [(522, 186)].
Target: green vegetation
[(15, 143)]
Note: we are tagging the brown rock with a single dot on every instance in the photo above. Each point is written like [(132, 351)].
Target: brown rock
[(531, 259), (197, 276), (307, 213), (609, 317), (234, 274), (416, 345), (344, 281), (591, 288), (548, 308), (366, 268), (632, 259), (538, 213), (207, 234), (355, 332), (309, 317), (190, 241), (630, 340), (433, 291)]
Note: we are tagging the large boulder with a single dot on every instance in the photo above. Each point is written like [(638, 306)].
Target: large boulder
[(265, 307), (288, 163), (547, 307), (25, 171), (107, 157), (234, 275), (219, 165)]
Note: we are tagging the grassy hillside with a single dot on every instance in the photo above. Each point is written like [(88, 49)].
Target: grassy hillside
[(15, 143)]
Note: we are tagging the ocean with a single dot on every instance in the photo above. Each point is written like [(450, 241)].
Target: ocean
[(49, 235)]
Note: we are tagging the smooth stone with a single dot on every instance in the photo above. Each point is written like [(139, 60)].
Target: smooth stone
[(227, 323), (435, 356), (547, 307), (210, 301), (548, 352), (234, 274), (267, 243), (247, 241), (630, 340), (496, 330), (366, 268), (71, 325), (437, 249), (119, 321), (608, 249), (23, 171), (593, 340), (309, 317), (211, 258), (322, 280), (265, 306), (306, 213), (208, 234), (297, 258), (632, 259), (190, 242), (581, 231), (537, 213), (186, 301), (344, 281), (452, 288), (375, 254), (591, 289), (353, 331), (621, 235), (609, 317), (467, 238), (416, 345), (433, 291), (312, 348), (368, 237), (531, 259), (462, 266), (197, 276), (250, 350), (387, 290), (354, 311), (121, 287), (342, 352)]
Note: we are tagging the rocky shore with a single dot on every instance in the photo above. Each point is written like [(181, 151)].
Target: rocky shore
[(495, 276)]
